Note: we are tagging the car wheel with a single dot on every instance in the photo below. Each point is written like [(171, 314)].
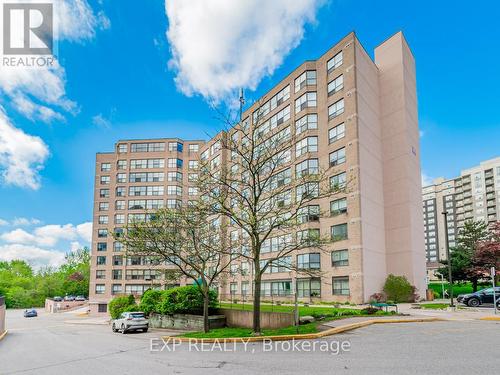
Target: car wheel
[(123, 329), (113, 328), (473, 302), (145, 330)]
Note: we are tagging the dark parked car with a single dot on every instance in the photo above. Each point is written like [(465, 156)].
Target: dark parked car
[(480, 297), (69, 298), (30, 313), (57, 299)]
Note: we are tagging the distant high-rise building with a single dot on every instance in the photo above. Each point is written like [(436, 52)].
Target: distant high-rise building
[(474, 195), (354, 118)]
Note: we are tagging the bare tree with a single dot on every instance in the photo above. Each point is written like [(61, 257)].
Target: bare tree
[(264, 195), (186, 238)]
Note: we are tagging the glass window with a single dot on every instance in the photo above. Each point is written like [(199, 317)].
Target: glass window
[(308, 144), (336, 133), (305, 79), (336, 109), (338, 206), (309, 288), (101, 260), (340, 258), (334, 62), (105, 167), (193, 148), (175, 146), (338, 181), (121, 164), (122, 148), (120, 191), (339, 232), (105, 180), (307, 167), (102, 233), (103, 206), (102, 246), (306, 123), (337, 157), (309, 261), (193, 164), (100, 289), (336, 85), (341, 286), (307, 100), (104, 193), (120, 205), (103, 219), (307, 191), (308, 214)]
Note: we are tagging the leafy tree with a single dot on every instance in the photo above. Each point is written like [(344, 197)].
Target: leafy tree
[(398, 289), (121, 304), (487, 254)]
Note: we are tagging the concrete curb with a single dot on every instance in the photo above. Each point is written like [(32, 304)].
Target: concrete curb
[(3, 335), (86, 322), (492, 318), (306, 336)]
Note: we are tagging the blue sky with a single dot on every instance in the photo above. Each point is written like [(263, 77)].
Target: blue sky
[(119, 84)]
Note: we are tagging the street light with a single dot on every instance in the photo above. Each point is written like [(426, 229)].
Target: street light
[(442, 282), (450, 279)]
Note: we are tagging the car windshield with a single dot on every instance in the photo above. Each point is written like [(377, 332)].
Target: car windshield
[(137, 315)]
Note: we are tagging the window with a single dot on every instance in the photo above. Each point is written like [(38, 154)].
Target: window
[(121, 164), (338, 206), (336, 109), (120, 205), (271, 104), (336, 85), (192, 177), (336, 133), (174, 190), (216, 146), (121, 178), (283, 264), (117, 260), (99, 289), (305, 79), (104, 193), (103, 206), (308, 236), (120, 191), (308, 144), (334, 62), (103, 219), (147, 147), (100, 274), (147, 177), (307, 191), (309, 261), (105, 167), (340, 286), (102, 233), (280, 118), (233, 288), (307, 100), (100, 260), (276, 288), (192, 191), (338, 181), (309, 288), (193, 164), (337, 157), (117, 274), (122, 148), (146, 190), (193, 148), (174, 203), (306, 123), (116, 289), (117, 246), (308, 214), (340, 258), (339, 232), (120, 219), (147, 163), (307, 167), (245, 286), (102, 246), (205, 154), (215, 162), (174, 176), (175, 163), (105, 180), (175, 146)]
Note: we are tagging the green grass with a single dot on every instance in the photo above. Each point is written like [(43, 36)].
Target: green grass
[(434, 306), (303, 310), (246, 332)]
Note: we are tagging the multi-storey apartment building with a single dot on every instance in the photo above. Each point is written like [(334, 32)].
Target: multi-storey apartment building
[(352, 116), (474, 195)]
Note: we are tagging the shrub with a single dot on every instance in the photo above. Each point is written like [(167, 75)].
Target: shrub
[(399, 289), (150, 301), (120, 304), (369, 310), (185, 300), (378, 297)]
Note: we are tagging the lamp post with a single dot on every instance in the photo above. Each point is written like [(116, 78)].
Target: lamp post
[(442, 282), (450, 279)]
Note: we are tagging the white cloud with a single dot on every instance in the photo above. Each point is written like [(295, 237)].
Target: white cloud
[(49, 235), (101, 121), (426, 180), (23, 221), (40, 94), (219, 46), (34, 255), (3, 222), (21, 155)]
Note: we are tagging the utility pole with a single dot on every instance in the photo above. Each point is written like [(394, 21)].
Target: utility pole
[(242, 102), (450, 278)]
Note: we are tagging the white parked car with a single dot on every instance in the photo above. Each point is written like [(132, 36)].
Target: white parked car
[(130, 321)]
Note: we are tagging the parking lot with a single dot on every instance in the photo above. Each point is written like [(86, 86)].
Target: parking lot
[(48, 345)]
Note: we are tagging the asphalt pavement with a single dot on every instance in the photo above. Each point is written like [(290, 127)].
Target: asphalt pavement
[(50, 345)]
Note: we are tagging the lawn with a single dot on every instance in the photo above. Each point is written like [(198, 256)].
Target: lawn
[(247, 332), (434, 306), (303, 310)]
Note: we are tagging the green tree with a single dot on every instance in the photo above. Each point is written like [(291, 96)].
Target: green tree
[(399, 289)]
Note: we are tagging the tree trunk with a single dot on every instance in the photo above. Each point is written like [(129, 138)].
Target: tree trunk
[(256, 305), (474, 285), (206, 326)]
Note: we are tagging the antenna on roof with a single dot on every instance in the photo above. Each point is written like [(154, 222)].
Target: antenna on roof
[(242, 102)]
